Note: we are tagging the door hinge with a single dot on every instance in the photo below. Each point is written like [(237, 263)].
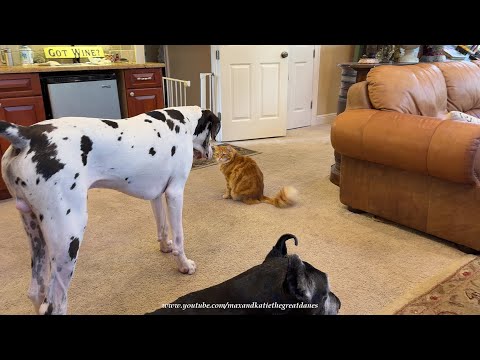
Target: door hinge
[(313, 52), (217, 54), (311, 104)]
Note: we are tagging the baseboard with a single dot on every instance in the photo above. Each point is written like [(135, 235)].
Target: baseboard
[(324, 119)]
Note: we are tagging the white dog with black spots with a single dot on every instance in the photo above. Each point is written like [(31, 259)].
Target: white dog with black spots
[(50, 166)]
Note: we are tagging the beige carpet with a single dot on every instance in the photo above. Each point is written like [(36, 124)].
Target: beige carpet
[(120, 269)]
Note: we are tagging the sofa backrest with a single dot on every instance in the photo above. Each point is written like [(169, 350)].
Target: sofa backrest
[(463, 86), (428, 89), (418, 89)]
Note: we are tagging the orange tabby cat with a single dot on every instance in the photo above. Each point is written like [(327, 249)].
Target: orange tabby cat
[(245, 179)]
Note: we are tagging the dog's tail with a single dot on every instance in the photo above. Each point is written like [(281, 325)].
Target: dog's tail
[(280, 248), (11, 133), (287, 196)]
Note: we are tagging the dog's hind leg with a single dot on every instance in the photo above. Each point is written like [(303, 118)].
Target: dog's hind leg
[(63, 230), (174, 195), (39, 263), (162, 225)]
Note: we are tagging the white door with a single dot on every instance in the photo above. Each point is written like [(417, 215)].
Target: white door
[(300, 85), (253, 87)]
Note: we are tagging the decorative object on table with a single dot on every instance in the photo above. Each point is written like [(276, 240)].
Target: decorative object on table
[(385, 54), (433, 53), (367, 60), (469, 51), (6, 57), (399, 52), (26, 55), (410, 54), (453, 54)]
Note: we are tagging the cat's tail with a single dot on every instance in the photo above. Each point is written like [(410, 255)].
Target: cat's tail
[(286, 197)]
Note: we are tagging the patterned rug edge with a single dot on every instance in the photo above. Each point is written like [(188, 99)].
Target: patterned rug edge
[(427, 286)]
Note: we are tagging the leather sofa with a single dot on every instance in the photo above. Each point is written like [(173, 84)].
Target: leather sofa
[(402, 160)]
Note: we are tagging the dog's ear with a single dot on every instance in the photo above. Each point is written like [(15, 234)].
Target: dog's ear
[(280, 249), (297, 282), (215, 124)]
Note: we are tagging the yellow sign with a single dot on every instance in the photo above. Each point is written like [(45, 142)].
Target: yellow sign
[(71, 52)]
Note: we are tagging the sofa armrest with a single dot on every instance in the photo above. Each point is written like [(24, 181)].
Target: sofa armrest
[(442, 148), (357, 97), (453, 153)]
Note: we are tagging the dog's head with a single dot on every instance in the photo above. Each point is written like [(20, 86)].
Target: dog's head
[(304, 282), (207, 128)]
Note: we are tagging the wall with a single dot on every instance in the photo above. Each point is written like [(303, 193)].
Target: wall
[(125, 51), (186, 62), (330, 74)]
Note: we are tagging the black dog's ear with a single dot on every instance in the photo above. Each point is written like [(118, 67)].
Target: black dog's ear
[(297, 282), (280, 248)]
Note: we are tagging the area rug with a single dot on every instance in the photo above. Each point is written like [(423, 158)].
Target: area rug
[(201, 163), (458, 294)]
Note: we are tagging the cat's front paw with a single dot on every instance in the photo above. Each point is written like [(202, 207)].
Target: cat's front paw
[(226, 196)]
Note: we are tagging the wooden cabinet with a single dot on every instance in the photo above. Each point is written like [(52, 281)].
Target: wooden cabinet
[(141, 91), (24, 111), (21, 103)]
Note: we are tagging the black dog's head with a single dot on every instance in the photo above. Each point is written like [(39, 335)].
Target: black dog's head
[(304, 282), (281, 285)]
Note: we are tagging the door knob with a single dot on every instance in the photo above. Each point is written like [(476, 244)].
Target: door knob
[(284, 54)]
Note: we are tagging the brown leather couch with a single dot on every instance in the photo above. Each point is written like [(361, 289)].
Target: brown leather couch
[(401, 161)]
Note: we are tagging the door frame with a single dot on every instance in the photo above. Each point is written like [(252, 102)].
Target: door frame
[(215, 69), (316, 80), (316, 74)]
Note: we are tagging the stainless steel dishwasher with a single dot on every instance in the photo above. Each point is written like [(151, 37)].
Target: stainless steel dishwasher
[(89, 95)]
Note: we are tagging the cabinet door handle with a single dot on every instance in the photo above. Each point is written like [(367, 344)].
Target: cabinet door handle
[(144, 78), (132, 93)]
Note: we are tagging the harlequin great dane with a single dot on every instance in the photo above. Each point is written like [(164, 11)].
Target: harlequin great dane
[(50, 166)]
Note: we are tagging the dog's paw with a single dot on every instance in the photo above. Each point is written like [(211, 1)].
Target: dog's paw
[(188, 267), (166, 246), (45, 309)]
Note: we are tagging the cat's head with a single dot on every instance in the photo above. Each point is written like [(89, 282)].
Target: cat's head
[(223, 153)]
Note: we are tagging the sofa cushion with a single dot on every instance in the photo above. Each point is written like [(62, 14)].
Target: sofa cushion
[(410, 89), (462, 80)]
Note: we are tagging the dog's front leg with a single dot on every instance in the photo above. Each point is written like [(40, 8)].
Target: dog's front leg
[(162, 225), (174, 195)]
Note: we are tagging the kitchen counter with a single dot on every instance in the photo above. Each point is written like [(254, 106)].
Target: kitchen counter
[(35, 68)]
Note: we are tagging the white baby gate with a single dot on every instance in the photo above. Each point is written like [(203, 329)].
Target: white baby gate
[(208, 91), (175, 92)]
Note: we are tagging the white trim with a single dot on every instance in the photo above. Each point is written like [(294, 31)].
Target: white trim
[(139, 54), (324, 119), (167, 67), (316, 81), (215, 64)]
